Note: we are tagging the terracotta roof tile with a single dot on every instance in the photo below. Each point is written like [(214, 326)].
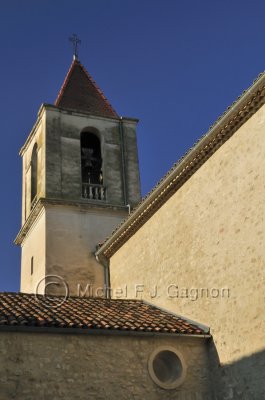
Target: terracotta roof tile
[(21, 309), (80, 92)]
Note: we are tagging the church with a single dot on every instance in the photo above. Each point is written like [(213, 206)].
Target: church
[(130, 298)]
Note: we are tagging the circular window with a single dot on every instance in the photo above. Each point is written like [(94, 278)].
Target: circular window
[(167, 368)]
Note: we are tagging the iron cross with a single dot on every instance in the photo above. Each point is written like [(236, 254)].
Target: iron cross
[(75, 40)]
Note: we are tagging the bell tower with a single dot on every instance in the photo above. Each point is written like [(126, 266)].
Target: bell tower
[(80, 176)]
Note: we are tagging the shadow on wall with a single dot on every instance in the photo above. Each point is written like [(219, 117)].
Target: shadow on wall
[(243, 379)]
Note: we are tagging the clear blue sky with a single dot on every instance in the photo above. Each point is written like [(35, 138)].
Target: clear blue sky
[(175, 65)]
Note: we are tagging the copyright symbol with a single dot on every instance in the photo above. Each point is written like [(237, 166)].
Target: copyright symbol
[(45, 284)]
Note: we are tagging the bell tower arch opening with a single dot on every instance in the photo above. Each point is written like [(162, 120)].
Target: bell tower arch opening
[(91, 166), (91, 161)]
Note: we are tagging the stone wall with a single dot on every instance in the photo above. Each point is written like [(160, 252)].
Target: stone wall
[(63, 166), (33, 251), (72, 234), (63, 242), (39, 139), (204, 250), (72, 366)]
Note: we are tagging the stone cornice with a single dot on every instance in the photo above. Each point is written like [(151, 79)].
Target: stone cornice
[(81, 205), (235, 116), (87, 114), (29, 222)]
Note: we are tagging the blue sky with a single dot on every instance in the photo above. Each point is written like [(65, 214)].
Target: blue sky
[(175, 65)]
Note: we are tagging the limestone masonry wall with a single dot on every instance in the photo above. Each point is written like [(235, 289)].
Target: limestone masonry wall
[(51, 366), (202, 254)]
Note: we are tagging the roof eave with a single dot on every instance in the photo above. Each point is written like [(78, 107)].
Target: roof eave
[(110, 332), (204, 328)]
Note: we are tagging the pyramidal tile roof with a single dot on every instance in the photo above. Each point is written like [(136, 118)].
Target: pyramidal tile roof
[(80, 92), (29, 310)]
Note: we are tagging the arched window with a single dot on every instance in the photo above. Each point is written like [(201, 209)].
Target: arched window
[(34, 172), (91, 161)]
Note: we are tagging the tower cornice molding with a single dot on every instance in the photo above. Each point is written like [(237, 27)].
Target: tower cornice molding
[(75, 112), (80, 205)]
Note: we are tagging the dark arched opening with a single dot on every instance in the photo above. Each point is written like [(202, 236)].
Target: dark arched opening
[(34, 173), (91, 161)]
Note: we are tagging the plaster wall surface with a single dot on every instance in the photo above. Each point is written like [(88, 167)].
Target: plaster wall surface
[(72, 235), (62, 242), (202, 253), (65, 366), (33, 247)]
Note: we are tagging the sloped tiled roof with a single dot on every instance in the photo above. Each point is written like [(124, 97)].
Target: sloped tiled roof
[(80, 92), (28, 310)]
